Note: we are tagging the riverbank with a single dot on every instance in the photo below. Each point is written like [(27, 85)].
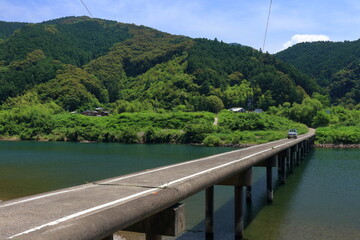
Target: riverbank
[(148, 127), (330, 145), (230, 145), (336, 136)]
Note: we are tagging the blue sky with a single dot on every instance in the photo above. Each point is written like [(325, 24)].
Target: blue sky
[(240, 21)]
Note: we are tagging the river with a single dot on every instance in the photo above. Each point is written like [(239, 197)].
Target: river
[(321, 200)]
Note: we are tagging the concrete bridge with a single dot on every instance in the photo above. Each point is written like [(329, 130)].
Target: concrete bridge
[(148, 201)]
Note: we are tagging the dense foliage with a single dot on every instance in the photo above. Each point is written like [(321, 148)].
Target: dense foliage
[(26, 118), (70, 40), (313, 113), (243, 72), (250, 128), (338, 135), (334, 124), (335, 66), (124, 62), (8, 28)]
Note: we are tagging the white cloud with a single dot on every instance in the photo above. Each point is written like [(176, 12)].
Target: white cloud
[(299, 38)]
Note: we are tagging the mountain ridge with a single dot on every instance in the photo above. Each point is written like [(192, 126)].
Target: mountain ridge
[(113, 62), (335, 66)]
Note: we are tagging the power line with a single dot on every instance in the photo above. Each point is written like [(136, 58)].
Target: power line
[(86, 8), (267, 26)]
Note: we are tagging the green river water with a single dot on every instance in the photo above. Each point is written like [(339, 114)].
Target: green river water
[(321, 200)]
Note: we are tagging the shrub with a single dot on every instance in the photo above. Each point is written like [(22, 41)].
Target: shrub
[(212, 141)]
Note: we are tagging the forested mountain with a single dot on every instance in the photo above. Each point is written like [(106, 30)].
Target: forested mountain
[(79, 62), (8, 28), (334, 65)]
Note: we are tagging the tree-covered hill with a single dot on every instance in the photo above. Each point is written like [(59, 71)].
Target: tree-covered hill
[(8, 28), (80, 62), (334, 65), (71, 40)]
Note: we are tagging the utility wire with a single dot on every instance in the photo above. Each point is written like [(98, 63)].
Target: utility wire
[(267, 25), (86, 8)]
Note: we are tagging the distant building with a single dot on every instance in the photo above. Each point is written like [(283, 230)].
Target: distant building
[(89, 113), (237, 109), (98, 113), (258, 110)]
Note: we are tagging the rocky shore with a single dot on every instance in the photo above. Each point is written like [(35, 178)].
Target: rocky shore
[(237, 145), (328, 145)]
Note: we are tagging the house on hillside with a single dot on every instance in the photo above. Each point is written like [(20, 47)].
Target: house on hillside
[(237, 109), (99, 112), (89, 113)]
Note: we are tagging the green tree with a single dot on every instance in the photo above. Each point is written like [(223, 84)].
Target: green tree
[(72, 89), (214, 103), (265, 100), (321, 119), (238, 95)]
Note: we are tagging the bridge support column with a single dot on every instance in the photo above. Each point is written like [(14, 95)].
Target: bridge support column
[(169, 222), (289, 160), (303, 150), (282, 166), (293, 159), (300, 152), (269, 164), (307, 146), (209, 213), (243, 179), (297, 161), (248, 194), (109, 238), (304, 147), (239, 215), (269, 185), (153, 237)]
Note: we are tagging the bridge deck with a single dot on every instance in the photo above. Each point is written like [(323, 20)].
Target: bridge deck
[(101, 208)]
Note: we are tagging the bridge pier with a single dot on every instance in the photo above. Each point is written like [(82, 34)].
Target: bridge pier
[(282, 169), (299, 153), (289, 160), (269, 164), (269, 185), (209, 213), (293, 159), (109, 238), (302, 151), (296, 155), (248, 194), (244, 179), (168, 222), (239, 213), (153, 237)]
